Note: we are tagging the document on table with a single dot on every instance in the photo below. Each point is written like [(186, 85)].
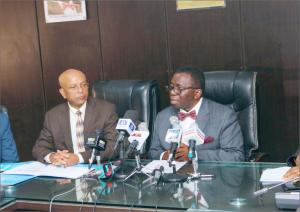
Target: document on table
[(272, 176), (11, 179), (40, 169), (156, 164)]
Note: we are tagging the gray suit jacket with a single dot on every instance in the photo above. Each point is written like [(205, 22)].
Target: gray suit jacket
[(219, 124), (56, 132)]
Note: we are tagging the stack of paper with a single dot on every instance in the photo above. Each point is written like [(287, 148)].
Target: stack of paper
[(40, 169), (272, 176)]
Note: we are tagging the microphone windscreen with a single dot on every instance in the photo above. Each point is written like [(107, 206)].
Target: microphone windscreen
[(174, 120), (131, 114), (143, 126), (158, 172)]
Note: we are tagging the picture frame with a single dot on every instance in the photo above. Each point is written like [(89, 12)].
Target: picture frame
[(64, 10)]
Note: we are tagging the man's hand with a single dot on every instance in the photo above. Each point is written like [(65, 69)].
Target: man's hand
[(63, 158), (294, 171), (72, 159), (58, 158), (182, 153), (166, 155)]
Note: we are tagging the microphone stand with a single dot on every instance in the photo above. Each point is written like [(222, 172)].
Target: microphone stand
[(178, 194), (139, 186), (120, 173), (138, 168), (195, 165), (98, 159), (92, 158), (174, 177)]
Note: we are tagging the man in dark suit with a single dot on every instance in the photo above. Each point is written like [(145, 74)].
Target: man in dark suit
[(61, 141), (223, 137)]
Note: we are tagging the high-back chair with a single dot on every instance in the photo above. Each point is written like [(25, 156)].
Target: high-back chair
[(238, 90), (139, 95)]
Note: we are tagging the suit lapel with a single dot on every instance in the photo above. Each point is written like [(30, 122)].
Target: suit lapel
[(173, 112), (65, 119), (88, 117), (203, 114)]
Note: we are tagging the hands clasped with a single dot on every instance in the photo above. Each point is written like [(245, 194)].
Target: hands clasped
[(63, 158)]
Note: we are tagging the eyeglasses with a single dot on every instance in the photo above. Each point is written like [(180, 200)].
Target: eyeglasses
[(84, 85), (176, 89)]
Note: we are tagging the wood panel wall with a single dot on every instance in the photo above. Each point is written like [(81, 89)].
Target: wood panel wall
[(148, 40), (21, 82), (271, 39)]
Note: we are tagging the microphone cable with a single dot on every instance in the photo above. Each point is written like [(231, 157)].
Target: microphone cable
[(86, 190), (95, 202), (68, 191), (60, 195)]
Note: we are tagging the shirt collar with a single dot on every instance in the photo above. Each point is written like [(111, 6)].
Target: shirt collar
[(74, 110), (196, 107)]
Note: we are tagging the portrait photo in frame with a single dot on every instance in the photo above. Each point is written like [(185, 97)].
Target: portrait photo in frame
[(64, 10)]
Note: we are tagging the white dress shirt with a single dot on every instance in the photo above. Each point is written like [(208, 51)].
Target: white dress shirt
[(188, 121), (73, 120)]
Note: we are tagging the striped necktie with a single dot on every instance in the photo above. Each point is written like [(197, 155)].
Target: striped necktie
[(79, 132)]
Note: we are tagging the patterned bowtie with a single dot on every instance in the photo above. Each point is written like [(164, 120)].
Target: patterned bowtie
[(182, 116)]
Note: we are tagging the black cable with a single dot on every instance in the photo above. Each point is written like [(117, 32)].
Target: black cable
[(84, 178)]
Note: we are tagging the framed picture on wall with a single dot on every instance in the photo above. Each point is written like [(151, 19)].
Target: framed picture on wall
[(64, 10), (196, 4)]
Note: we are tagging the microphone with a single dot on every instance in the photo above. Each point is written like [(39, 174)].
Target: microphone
[(192, 137), (140, 136), (193, 133), (265, 190), (132, 146), (96, 142), (158, 172), (126, 126), (174, 121), (173, 149), (173, 136), (191, 152)]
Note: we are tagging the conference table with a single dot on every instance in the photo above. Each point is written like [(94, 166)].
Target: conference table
[(230, 190)]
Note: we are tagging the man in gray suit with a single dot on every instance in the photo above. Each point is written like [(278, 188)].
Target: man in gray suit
[(61, 141), (223, 137)]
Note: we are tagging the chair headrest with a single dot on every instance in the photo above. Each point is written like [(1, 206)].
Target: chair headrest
[(231, 88)]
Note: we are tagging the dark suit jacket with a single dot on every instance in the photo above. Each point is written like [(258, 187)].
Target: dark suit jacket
[(218, 122), (56, 132)]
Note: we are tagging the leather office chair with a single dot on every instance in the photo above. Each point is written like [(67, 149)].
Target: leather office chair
[(237, 89), (139, 95)]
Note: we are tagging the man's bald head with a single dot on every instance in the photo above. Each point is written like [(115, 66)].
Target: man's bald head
[(73, 87), (68, 74)]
